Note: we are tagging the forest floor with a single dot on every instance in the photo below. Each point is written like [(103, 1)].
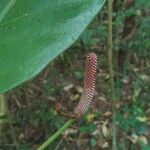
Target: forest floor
[(35, 107)]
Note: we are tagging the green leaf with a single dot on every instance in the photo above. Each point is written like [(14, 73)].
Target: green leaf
[(93, 141), (33, 32), (88, 128)]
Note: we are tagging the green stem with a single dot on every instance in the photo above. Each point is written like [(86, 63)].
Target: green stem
[(13, 133), (4, 111), (111, 73), (3, 108), (56, 134)]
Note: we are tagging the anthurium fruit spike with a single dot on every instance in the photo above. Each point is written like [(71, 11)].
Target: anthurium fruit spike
[(89, 85)]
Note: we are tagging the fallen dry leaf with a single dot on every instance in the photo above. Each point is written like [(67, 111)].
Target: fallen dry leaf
[(143, 139), (107, 114), (69, 131), (105, 145), (79, 89), (101, 98), (105, 130), (68, 87), (142, 119), (134, 138), (74, 97)]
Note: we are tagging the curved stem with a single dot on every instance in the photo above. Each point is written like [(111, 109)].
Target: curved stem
[(56, 134)]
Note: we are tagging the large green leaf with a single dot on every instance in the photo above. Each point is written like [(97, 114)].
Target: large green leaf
[(33, 32)]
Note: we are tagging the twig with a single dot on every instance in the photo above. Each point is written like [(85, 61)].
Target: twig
[(3, 112), (111, 72), (59, 144)]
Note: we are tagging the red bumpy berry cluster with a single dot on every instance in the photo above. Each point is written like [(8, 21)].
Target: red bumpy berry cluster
[(89, 85)]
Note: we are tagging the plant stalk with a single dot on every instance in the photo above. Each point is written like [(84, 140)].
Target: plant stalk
[(111, 73), (56, 134), (4, 111)]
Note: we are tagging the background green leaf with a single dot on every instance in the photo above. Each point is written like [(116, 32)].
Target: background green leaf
[(32, 33)]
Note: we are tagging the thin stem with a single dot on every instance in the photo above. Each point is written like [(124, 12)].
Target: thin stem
[(3, 108), (111, 73), (13, 133), (5, 111), (56, 134)]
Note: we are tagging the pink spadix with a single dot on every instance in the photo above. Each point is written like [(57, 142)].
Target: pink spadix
[(89, 85)]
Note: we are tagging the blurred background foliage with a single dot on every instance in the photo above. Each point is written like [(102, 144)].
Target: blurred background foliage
[(36, 107)]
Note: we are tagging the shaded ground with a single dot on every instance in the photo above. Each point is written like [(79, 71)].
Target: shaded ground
[(34, 106)]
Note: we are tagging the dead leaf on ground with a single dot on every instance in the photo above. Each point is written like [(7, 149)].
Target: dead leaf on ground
[(105, 145), (74, 97), (105, 129), (136, 139), (101, 98), (143, 139), (69, 131), (142, 119), (107, 114), (79, 89), (68, 87)]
